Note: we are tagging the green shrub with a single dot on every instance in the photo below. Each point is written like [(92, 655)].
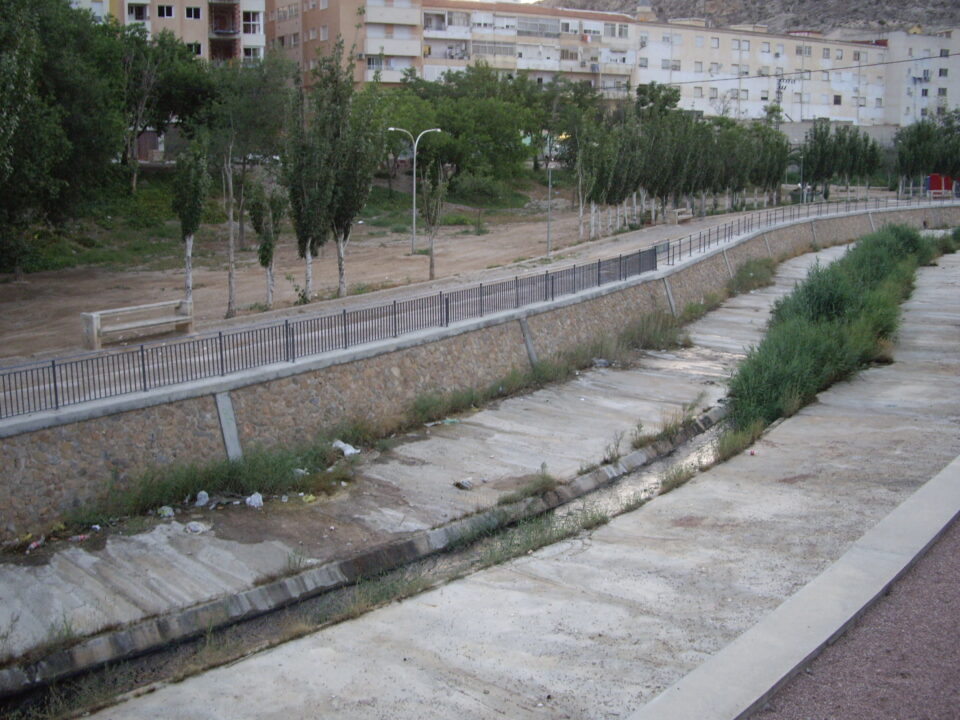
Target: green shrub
[(751, 275)]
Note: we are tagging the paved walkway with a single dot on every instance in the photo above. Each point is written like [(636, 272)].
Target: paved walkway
[(597, 626)]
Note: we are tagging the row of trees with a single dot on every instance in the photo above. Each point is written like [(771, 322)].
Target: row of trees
[(845, 153), (929, 146)]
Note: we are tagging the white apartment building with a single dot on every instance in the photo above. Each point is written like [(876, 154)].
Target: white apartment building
[(216, 30)]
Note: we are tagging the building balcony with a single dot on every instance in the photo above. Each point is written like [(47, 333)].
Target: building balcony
[(447, 31), (392, 46), (537, 64), (386, 75), (392, 15), (225, 32)]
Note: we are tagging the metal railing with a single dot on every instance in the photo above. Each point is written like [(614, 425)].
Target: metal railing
[(53, 384)]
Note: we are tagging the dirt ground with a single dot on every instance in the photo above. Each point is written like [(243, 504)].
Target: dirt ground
[(40, 316)]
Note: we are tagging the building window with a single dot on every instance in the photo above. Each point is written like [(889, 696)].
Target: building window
[(675, 65), (765, 47), (745, 70), (879, 102), (859, 56), (193, 13), (642, 62), (137, 13), (825, 76), (698, 67), (744, 94), (714, 93), (923, 112), (839, 54), (623, 31), (765, 71), (924, 92), (944, 52), (375, 62), (323, 33), (164, 11), (735, 44), (735, 69), (323, 4), (251, 23), (826, 53), (745, 45), (252, 53), (698, 41), (799, 50), (806, 74), (313, 33), (943, 72), (610, 30), (665, 39), (837, 100), (644, 39), (194, 48), (665, 64), (698, 92), (714, 42), (941, 92), (295, 40), (764, 95), (797, 98)]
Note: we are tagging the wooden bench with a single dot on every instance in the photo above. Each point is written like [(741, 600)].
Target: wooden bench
[(121, 323), (680, 215)]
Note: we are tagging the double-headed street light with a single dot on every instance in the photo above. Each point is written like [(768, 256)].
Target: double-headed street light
[(413, 237)]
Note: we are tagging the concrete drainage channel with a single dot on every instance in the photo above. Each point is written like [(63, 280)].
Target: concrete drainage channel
[(165, 630)]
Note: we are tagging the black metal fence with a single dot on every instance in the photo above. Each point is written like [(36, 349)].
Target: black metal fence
[(54, 384)]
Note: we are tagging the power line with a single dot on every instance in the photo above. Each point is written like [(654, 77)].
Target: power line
[(737, 78)]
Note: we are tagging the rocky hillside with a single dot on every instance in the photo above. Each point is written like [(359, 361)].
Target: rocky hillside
[(782, 15)]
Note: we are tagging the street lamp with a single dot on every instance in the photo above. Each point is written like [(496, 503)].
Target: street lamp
[(413, 237)]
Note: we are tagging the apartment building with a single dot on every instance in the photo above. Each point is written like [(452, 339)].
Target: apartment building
[(216, 30), (387, 34), (734, 71), (924, 78)]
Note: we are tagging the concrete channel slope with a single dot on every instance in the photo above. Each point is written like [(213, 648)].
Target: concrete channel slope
[(597, 626), (161, 576)]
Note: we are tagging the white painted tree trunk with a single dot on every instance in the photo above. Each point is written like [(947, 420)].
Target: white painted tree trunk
[(308, 274), (188, 268), (341, 269), (593, 220), (231, 242), (270, 286), (635, 219)]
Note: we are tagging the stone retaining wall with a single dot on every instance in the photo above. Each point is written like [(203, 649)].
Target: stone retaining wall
[(47, 471)]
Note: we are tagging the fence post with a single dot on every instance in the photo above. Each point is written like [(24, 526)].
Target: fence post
[(143, 368), (551, 287), (598, 273), (440, 309), (56, 394), (286, 340), (546, 285), (516, 291), (481, 299), (346, 340), (446, 302), (620, 267), (396, 322), (223, 365)]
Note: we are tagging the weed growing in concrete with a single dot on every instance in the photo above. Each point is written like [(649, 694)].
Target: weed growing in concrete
[(733, 441), (539, 484), (753, 274), (676, 476), (612, 452)]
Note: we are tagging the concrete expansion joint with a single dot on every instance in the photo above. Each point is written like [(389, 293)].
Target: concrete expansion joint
[(153, 633)]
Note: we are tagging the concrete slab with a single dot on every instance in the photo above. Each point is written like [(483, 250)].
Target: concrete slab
[(597, 626)]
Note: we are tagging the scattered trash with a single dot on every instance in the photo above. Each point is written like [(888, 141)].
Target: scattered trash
[(343, 483), (300, 472), (445, 421), (255, 501), (601, 363), (347, 450), (195, 527), (333, 527), (36, 544), (466, 484), (284, 498), (78, 538), (753, 452), (202, 498), (95, 528), (308, 498), (165, 512)]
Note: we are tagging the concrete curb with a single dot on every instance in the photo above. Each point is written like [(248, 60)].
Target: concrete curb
[(151, 633), (739, 679)]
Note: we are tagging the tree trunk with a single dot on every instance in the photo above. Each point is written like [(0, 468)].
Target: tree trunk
[(231, 244), (134, 164), (188, 268), (270, 286), (341, 270), (433, 236), (593, 219), (635, 220), (241, 206), (308, 274)]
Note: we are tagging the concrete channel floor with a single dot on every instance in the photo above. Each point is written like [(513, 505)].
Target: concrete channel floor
[(565, 427), (596, 626)]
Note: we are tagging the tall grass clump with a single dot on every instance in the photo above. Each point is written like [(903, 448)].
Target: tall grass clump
[(838, 319), (753, 274)]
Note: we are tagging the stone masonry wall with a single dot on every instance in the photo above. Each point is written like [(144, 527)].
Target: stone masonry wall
[(43, 473), (48, 472), (377, 389)]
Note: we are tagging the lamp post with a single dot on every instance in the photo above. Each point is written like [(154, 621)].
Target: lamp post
[(413, 237), (549, 191)]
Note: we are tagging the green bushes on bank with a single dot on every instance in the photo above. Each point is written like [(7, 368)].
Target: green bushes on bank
[(838, 319)]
